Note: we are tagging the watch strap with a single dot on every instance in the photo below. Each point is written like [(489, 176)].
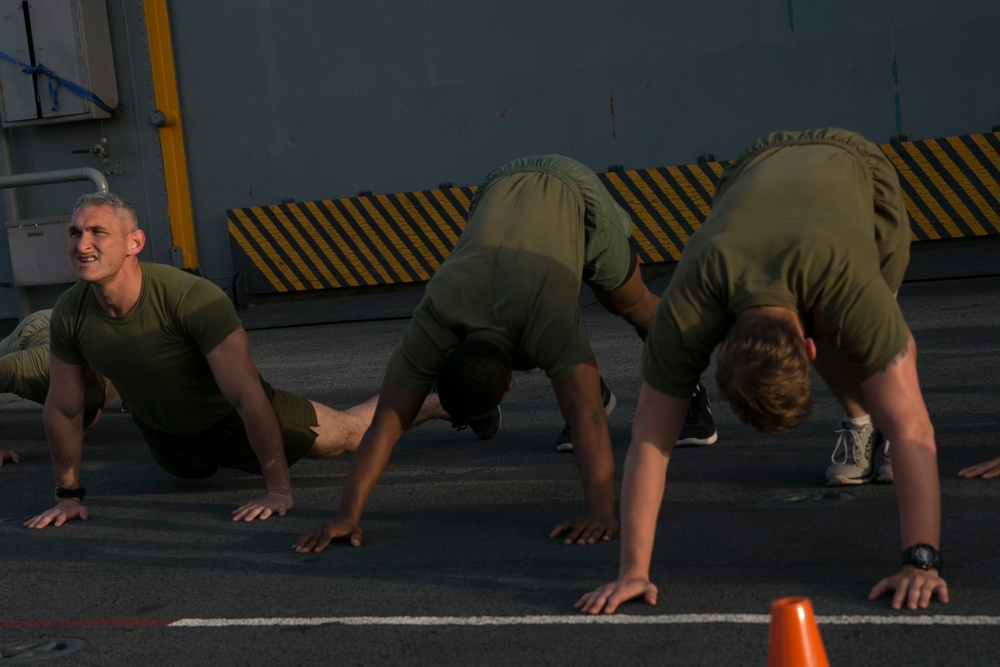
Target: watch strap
[(63, 494)]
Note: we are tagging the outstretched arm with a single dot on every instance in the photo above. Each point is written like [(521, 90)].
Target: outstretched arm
[(236, 375), (63, 419), (579, 397), (658, 421), (897, 406), (397, 408)]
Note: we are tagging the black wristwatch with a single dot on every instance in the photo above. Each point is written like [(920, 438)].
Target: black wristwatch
[(63, 494), (922, 556)]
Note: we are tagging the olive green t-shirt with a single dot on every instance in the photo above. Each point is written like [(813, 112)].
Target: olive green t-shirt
[(155, 354), (537, 227), (793, 225)]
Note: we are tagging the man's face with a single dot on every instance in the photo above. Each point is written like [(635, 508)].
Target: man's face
[(99, 244)]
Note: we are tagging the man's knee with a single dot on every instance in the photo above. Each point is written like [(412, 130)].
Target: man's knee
[(338, 432)]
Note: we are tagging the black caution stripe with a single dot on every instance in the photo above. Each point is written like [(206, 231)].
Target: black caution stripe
[(951, 186)]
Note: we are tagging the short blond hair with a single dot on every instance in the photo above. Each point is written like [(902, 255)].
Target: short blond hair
[(122, 209), (764, 372)]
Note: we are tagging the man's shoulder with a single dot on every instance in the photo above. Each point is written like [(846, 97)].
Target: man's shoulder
[(169, 274), (168, 282), (70, 300)]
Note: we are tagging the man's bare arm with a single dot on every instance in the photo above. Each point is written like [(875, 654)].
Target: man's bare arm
[(397, 408), (235, 373), (63, 420), (897, 406), (658, 421), (579, 397)]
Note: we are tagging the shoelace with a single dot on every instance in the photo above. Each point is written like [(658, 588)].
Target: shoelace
[(855, 451)]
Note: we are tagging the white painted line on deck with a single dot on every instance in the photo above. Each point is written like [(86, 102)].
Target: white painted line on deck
[(581, 619)]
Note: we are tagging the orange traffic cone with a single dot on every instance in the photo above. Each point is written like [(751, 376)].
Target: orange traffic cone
[(794, 638)]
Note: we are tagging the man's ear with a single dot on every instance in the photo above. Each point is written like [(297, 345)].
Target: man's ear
[(137, 241), (510, 383), (810, 348)]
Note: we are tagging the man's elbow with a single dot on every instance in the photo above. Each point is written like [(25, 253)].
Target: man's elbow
[(919, 432)]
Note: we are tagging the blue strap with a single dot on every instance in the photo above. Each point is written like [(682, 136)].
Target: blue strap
[(56, 81)]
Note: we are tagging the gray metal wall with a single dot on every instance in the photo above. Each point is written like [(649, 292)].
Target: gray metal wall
[(314, 99)]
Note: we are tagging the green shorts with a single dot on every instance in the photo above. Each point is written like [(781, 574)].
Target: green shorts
[(889, 218), (608, 258), (225, 443), (32, 331)]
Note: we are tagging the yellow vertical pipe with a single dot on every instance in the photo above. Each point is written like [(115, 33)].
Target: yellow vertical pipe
[(175, 177)]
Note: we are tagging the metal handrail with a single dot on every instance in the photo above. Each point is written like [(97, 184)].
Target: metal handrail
[(60, 176)]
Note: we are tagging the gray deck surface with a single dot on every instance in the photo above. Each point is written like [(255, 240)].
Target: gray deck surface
[(458, 527)]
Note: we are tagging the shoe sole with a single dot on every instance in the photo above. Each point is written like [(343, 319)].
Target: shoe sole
[(610, 407), (840, 480), (698, 442), (565, 447), (882, 478)]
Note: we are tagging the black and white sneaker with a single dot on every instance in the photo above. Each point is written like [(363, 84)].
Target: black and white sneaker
[(564, 443), (699, 429)]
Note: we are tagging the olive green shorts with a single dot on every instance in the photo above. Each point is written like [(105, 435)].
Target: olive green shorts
[(225, 443), (608, 258), (890, 222), (32, 331)]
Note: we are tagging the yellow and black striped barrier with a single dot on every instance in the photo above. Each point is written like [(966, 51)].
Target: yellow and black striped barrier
[(951, 187)]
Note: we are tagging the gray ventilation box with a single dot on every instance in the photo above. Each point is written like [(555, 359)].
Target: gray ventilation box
[(38, 251)]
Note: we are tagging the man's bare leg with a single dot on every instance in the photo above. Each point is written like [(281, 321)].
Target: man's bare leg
[(853, 458), (839, 375), (339, 431)]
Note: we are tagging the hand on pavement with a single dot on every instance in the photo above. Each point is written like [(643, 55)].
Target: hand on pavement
[(608, 597), (913, 586), (320, 539), (275, 502), (8, 455), (586, 529), (986, 470), (64, 511)]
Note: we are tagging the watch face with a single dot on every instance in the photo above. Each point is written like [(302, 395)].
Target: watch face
[(923, 555)]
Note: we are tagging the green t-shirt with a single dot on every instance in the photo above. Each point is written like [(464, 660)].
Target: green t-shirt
[(794, 227), (155, 354), (537, 227)]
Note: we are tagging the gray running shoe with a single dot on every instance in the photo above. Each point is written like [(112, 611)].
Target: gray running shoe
[(564, 443), (851, 461), (885, 470)]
